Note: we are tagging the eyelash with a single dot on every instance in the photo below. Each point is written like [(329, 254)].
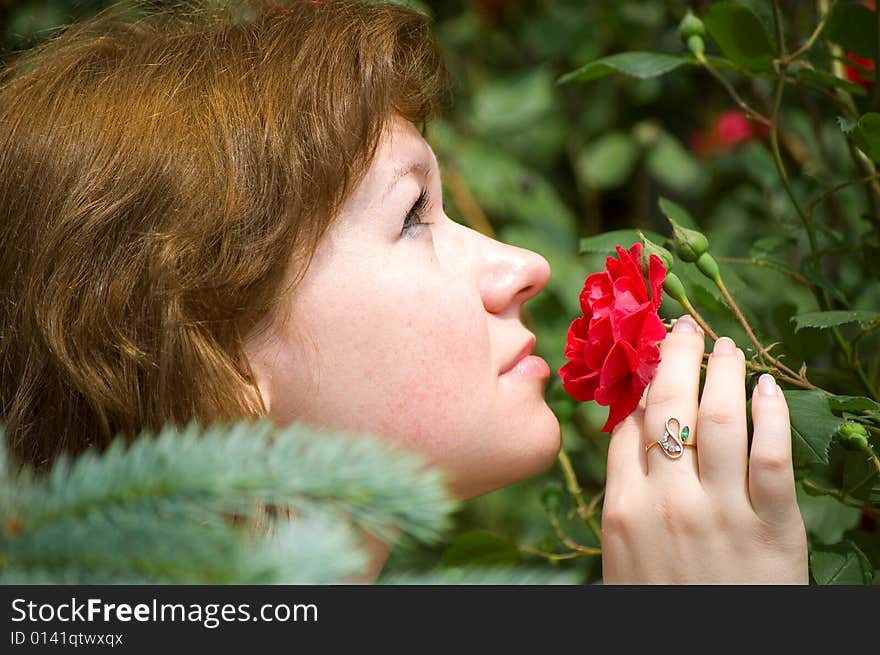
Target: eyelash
[(413, 218)]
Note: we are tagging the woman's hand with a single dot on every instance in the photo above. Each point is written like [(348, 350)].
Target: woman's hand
[(718, 514)]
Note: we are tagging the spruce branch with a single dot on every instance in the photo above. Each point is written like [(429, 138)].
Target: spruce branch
[(166, 508)]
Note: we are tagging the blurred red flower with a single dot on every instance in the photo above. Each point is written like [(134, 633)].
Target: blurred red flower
[(612, 349), (861, 72), (731, 127)]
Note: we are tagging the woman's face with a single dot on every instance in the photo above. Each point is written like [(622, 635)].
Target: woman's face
[(406, 331)]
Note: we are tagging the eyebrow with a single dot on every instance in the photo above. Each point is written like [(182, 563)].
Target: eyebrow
[(406, 169)]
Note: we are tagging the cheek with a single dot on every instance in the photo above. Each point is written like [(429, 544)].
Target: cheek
[(406, 364), (436, 357)]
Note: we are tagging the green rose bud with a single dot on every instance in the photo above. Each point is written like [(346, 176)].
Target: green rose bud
[(709, 267), (853, 436), (650, 248), (689, 244), (675, 289), (551, 498), (696, 45), (690, 26)]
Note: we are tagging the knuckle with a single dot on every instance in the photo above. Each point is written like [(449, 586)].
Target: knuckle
[(617, 520), (719, 416), (771, 463), (665, 396)]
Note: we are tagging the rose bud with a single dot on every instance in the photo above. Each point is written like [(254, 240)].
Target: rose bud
[(690, 26), (709, 267), (689, 244), (675, 289), (650, 248), (853, 436)]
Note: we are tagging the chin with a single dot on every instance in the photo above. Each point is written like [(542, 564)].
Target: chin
[(534, 452)]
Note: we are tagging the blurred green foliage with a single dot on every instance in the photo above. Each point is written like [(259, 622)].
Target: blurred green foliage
[(542, 165)]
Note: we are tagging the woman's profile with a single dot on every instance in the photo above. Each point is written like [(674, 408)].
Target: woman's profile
[(208, 216)]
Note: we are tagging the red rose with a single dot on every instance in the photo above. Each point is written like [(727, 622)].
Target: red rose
[(612, 349), (860, 72)]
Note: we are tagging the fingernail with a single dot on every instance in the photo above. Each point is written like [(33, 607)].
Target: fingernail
[(684, 324), (767, 385), (724, 346)]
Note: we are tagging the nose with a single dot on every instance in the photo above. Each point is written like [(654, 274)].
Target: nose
[(509, 275)]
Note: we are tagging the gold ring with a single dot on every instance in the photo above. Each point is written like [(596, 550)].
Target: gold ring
[(672, 442)]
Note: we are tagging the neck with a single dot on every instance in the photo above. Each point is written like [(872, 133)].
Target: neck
[(377, 554)]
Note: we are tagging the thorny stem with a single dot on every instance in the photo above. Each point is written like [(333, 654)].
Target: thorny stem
[(802, 381)]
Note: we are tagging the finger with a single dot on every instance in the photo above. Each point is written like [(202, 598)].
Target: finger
[(771, 473), (721, 421), (674, 392), (627, 460)]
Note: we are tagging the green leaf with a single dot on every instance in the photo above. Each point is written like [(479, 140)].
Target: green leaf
[(511, 103), (853, 26), (859, 475), (853, 404), (506, 188), (825, 518), (867, 135), (831, 319), (829, 80), (608, 161), (741, 36), (480, 548), (840, 564), (606, 242), (641, 65), (812, 426), (677, 213), (673, 165)]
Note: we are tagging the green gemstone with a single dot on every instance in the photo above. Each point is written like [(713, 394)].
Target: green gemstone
[(685, 432)]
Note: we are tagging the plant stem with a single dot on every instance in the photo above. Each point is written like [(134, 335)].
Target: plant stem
[(569, 542), (813, 37), (856, 365), (690, 309), (783, 174), (841, 498), (754, 339), (750, 111), (586, 512), (470, 209), (553, 557), (766, 263), (830, 192)]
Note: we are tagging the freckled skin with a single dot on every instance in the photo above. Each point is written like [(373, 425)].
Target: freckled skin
[(405, 336)]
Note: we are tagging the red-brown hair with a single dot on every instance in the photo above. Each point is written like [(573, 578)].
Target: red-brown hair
[(159, 176)]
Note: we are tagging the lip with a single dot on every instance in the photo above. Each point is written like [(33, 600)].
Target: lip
[(524, 352)]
